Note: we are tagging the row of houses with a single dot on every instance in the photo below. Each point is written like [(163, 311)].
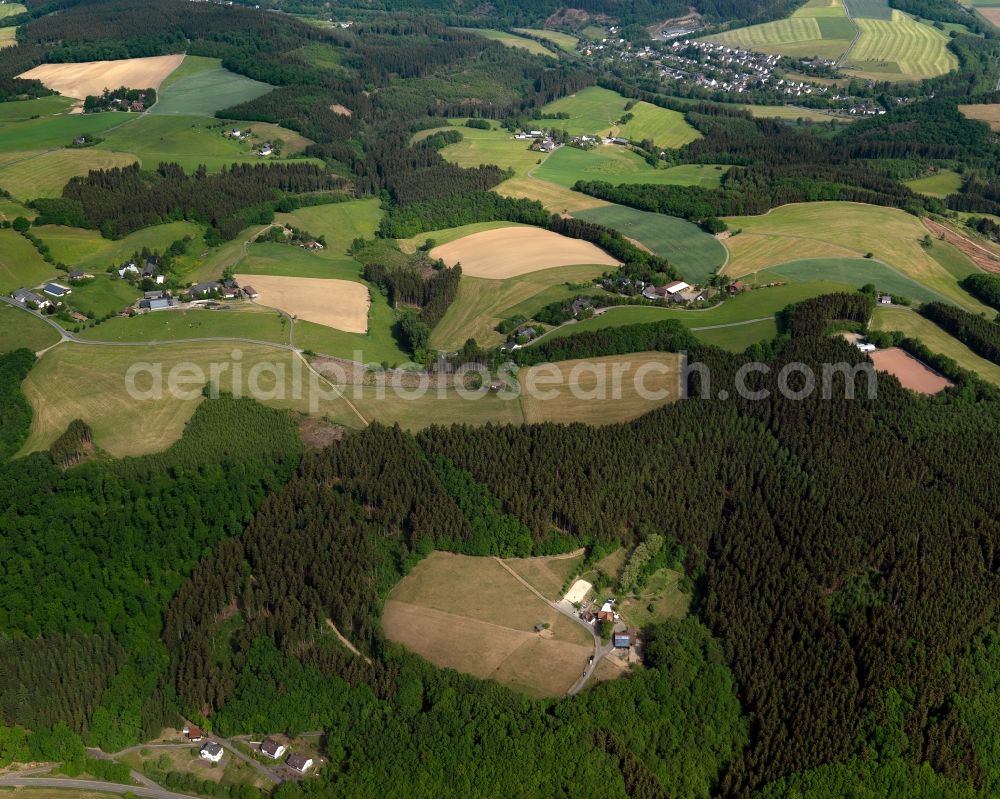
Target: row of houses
[(213, 751), (224, 289), (149, 271)]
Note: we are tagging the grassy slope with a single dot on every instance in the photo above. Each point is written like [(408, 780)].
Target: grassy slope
[(20, 110), (900, 49), (247, 322), (738, 338), (42, 173), (853, 272), (940, 184), (563, 41), (693, 252), (495, 146), (21, 329), (616, 165), (102, 296), (481, 304), (662, 126), (76, 381), (510, 40), (20, 264), (205, 91), (87, 250), (48, 132), (557, 199), (841, 230), (936, 339)]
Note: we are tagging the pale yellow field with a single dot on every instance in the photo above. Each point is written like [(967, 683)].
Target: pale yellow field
[(340, 304), (605, 390), (7, 37), (472, 615), (555, 198), (93, 77), (512, 251)]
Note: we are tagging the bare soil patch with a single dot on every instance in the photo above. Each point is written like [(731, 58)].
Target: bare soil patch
[(912, 373), (93, 77), (343, 110), (340, 304), (985, 112), (981, 255), (512, 251)]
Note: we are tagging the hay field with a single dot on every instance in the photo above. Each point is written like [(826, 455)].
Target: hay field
[(87, 249), (78, 381), (416, 413), (911, 372), (611, 163), (855, 272), (695, 253), (340, 304), (495, 146), (20, 329), (207, 89), (556, 199), (591, 110), (472, 615), (840, 230), (937, 340), (44, 173), (899, 49), (236, 321), (940, 184), (481, 303), (93, 77), (20, 264), (563, 41), (341, 223), (663, 126), (605, 390), (512, 251), (547, 573), (510, 40), (7, 37), (985, 112), (11, 10)]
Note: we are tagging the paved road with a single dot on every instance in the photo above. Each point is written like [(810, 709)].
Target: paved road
[(599, 650), (90, 785)]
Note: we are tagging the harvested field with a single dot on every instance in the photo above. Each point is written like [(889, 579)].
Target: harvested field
[(603, 390), (340, 304), (991, 14), (93, 77), (914, 374), (986, 258), (472, 615), (512, 251), (7, 37), (986, 112), (547, 573), (556, 199)]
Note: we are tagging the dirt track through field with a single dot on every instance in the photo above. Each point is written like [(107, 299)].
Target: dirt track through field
[(512, 251), (981, 256), (93, 77), (340, 304)]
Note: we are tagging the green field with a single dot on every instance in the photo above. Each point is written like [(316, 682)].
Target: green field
[(793, 112), (899, 49), (609, 163), (695, 254), (341, 223), (102, 295), (869, 9), (495, 146), (806, 231), (481, 304), (510, 40), (20, 264), (21, 329), (11, 210), (595, 110), (756, 304), (193, 140), (940, 184), (19, 110), (86, 249), (936, 339), (241, 321), (191, 65), (44, 173), (853, 272), (48, 132), (563, 41), (203, 91), (78, 381), (736, 338), (289, 261)]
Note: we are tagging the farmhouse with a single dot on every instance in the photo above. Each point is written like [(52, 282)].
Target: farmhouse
[(26, 297), (78, 274), (203, 289), (128, 268), (299, 763), (250, 292), (192, 733), (272, 748), (885, 299), (56, 290), (211, 751), (607, 612)]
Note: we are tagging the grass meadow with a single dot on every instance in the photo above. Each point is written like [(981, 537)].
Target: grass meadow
[(243, 321), (595, 110), (50, 132), (44, 173), (852, 272), (205, 89), (563, 41), (20, 264), (617, 165), (87, 249), (695, 254), (940, 184), (20, 329), (899, 48), (937, 340), (806, 231), (511, 40), (102, 296)]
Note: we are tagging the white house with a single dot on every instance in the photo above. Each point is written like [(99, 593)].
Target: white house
[(299, 763), (212, 751), (129, 268), (272, 748), (864, 346)]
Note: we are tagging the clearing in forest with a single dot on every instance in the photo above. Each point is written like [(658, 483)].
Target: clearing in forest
[(30, 174), (472, 615), (605, 390), (340, 304), (93, 77), (512, 251), (913, 373)]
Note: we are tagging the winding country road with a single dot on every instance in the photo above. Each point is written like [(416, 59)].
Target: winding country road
[(66, 783)]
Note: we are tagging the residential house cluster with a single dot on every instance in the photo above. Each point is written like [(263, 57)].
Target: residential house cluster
[(676, 291), (151, 270), (275, 750), (222, 289)]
